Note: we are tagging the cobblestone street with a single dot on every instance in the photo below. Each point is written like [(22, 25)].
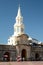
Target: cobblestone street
[(22, 63)]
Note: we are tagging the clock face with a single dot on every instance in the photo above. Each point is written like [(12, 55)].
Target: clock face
[(23, 41)]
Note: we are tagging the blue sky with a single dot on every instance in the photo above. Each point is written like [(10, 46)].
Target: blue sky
[(32, 12)]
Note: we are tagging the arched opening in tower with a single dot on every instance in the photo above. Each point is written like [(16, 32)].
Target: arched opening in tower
[(6, 56), (23, 54)]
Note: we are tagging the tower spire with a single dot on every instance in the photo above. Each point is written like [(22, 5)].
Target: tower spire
[(19, 11), (19, 26)]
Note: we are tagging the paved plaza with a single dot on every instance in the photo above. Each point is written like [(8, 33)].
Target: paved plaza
[(22, 63)]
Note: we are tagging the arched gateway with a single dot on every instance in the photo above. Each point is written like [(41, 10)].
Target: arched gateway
[(23, 54), (37, 56), (6, 56)]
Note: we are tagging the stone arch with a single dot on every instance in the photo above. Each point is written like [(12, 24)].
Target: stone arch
[(6, 56), (23, 54), (37, 56)]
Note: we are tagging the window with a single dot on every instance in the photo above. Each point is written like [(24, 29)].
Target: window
[(21, 29), (17, 29)]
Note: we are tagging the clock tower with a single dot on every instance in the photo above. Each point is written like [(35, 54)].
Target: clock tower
[(19, 26)]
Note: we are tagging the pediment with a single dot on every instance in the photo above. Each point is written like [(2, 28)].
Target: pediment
[(24, 36)]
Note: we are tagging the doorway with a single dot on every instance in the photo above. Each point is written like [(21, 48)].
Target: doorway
[(23, 54), (6, 56), (36, 56)]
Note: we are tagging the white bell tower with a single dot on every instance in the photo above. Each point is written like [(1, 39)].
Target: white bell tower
[(19, 26)]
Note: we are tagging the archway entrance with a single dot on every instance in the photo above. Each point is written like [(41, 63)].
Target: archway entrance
[(36, 56), (6, 56), (23, 54)]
